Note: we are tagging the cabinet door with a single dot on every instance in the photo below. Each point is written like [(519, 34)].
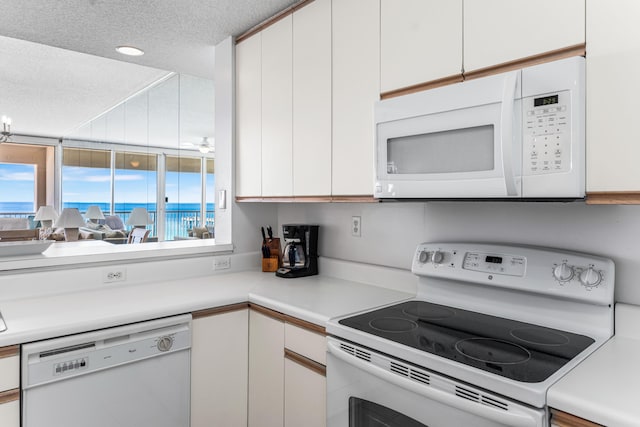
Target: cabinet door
[(312, 99), (277, 109), (10, 414), (421, 41), (305, 396), (249, 117), (219, 370), (356, 86), (613, 62), (498, 31), (266, 371)]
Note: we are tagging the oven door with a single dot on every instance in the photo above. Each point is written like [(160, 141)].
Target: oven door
[(367, 389), (462, 141)]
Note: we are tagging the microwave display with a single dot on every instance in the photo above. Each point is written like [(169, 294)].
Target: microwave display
[(547, 100)]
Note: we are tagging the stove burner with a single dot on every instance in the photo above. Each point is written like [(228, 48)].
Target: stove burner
[(540, 336), (393, 324), (490, 350), (428, 312)]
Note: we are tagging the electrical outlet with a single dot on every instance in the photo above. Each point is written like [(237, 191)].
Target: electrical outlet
[(221, 263), (114, 275), (356, 226)]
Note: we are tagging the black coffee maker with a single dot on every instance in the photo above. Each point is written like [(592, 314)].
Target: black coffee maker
[(300, 253)]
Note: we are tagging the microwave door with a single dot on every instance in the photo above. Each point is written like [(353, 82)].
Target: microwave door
[(467, 152)]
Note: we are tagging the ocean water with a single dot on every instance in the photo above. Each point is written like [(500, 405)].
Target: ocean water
[(28, 207)]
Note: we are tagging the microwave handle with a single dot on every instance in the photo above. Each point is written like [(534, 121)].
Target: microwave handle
[(506, 116)]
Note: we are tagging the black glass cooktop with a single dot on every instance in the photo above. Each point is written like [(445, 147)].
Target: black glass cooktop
[(512, 349)]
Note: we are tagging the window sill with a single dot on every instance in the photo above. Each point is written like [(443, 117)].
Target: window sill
[(91, 252)]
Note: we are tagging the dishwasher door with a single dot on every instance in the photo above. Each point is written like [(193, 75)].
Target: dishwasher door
[(131, 376)]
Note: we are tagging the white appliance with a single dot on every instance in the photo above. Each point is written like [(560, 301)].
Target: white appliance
[(129, 376), (491, 329), (519, 134)]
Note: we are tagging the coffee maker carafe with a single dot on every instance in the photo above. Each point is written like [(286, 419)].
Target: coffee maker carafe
[(300, 253)]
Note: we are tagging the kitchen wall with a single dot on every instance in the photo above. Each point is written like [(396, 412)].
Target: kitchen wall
[(391, 231)]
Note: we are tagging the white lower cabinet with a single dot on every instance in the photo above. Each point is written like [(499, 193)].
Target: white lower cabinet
[(305, 401), (10, 386), (10, 414), (219, 369), (287, 380), (266, 371)]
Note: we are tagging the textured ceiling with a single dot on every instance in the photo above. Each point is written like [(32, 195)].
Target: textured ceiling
[(176, 35), (59, 64)]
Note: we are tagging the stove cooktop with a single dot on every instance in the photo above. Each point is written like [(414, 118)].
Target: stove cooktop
[(515, 350)]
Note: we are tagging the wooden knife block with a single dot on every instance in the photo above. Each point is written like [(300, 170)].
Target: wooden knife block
[(274, 262)]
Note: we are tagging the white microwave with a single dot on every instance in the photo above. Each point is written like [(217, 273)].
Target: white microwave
[(515, 135)]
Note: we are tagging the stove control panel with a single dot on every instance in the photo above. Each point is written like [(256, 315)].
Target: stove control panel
[(548, 271)]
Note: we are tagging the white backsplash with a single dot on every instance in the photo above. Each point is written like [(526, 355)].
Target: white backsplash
[(391, 231)]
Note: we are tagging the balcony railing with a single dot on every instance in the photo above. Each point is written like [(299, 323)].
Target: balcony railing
[(177, 223)]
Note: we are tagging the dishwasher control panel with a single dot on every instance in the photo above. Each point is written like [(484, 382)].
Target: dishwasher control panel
[(61, 358)]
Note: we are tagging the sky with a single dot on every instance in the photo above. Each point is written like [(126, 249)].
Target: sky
[(17, 182), (92, 185)]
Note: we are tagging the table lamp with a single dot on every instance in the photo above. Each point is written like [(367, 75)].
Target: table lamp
[(94, 213), (139, 218), (46, 215), (70, 219)]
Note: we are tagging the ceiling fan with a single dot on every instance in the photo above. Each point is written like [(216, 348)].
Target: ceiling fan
[(205, 146)]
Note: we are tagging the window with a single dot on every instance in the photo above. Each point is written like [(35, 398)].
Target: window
[(183, 196), (17, 189), (210, 195), (86, 179), (135, 185)]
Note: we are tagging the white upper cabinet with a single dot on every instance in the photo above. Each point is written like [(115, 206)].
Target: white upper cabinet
[(356, 86), (613, 64), (312, 99), (499, 31), (277, 109), (420, 41), (249, 117)]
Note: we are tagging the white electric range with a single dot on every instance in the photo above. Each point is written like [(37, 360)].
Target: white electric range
[(491, 329)]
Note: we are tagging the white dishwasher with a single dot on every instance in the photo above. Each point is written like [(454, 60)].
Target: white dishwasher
[(129, 376)]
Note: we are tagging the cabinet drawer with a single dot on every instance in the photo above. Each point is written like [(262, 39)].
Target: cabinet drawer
[(9, 368), (311, 345), (10, 409)]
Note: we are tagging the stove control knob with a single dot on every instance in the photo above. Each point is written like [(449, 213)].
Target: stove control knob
[(437, 257), (563, 272), (590, 278), (423, 257)]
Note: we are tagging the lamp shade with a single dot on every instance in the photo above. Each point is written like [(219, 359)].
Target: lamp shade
[(70, 218), (94, 212), (46, 215), (139, 217)]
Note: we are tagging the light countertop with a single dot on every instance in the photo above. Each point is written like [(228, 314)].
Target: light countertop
[(603, 388), (315, 299)]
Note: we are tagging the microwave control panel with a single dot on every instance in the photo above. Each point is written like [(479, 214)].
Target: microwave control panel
[(547, 134)]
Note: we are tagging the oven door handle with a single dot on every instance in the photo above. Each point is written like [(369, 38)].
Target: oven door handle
[(507, 143), (498, 415)]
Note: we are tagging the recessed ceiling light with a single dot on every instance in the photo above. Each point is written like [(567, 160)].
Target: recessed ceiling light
[(130, 50)]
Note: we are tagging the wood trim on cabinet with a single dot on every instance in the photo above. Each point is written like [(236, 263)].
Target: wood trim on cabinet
[(310, 199), (312, 327), (562, 419), (219, 310), (422, 86), (305, 362), (13, 350), (268, 312), (270, 21), (9, 396), (613, 198), (552, 55)]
